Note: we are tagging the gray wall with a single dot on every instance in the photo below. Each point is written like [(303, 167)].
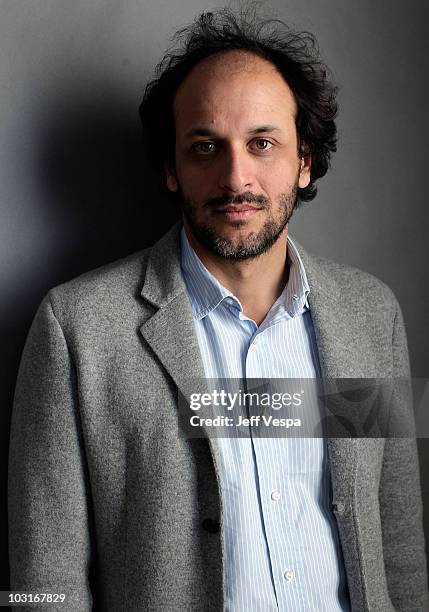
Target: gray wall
[(73, 187)]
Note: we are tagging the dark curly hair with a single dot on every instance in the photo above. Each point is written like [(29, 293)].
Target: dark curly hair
[(294, 54)]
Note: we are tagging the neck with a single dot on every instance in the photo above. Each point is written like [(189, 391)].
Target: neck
[(256, 282)]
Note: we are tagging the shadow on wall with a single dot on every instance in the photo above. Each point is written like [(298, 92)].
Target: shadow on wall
[(102, 201)]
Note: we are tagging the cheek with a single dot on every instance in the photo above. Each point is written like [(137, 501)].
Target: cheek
[(277, 181), (196, 183), (280, 173)]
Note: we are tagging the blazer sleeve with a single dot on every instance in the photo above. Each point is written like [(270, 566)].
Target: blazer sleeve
[(400, 499), (49, 535)]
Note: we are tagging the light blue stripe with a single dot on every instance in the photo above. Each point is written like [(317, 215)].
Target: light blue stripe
[(265, 538)]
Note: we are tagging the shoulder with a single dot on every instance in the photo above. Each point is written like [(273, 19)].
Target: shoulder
[(355, 280), (353, 286), (107, 290)]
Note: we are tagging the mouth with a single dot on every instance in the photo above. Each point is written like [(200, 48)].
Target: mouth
[(237, 212)]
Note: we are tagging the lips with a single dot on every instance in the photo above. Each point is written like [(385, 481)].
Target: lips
[(236, 212), (237, 208)]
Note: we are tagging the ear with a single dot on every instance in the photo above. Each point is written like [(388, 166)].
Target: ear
[(171, 177), (304, 170)]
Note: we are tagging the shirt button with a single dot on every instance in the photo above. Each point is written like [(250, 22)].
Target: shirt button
[(289, 575), (255, 342), (295, 297), (275, 495), (230, 300), (339, 507)]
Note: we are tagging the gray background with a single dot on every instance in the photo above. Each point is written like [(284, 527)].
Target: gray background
[(75, 194)]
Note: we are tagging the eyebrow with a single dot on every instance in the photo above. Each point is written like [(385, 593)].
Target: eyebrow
[(207, 132), (262, 129)]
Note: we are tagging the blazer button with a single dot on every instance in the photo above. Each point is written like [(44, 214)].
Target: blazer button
[(211, 525)]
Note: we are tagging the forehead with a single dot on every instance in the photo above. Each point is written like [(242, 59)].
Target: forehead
[(233, 88)]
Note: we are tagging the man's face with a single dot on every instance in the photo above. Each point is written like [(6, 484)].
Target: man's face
[(237, 163)]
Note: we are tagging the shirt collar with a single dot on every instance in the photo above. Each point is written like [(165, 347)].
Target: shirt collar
[(297, 288), (206, 293), (204, 290)]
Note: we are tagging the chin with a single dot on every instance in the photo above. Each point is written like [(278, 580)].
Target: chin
[(237, 234), (243, 225)]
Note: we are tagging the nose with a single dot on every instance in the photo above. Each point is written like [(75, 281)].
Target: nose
[(235, 172)]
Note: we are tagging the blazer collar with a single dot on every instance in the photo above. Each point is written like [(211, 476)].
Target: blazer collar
[(336, 321), (170, 331), (163, 281)]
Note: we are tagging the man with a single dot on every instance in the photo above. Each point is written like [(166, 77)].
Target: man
[(109, 503)]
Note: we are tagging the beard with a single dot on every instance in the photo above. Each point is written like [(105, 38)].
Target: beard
[(251, 246)]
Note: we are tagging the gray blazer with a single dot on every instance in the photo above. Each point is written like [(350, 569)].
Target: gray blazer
[(103, 486)]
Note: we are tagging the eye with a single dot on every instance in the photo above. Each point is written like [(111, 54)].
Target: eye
[(262, 144), (203, 147)]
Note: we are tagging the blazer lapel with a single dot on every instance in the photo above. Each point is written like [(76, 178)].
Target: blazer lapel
[(334, 321), (336, 338), (170, 332)]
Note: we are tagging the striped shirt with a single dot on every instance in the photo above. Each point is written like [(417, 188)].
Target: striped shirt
[(281, 543)]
